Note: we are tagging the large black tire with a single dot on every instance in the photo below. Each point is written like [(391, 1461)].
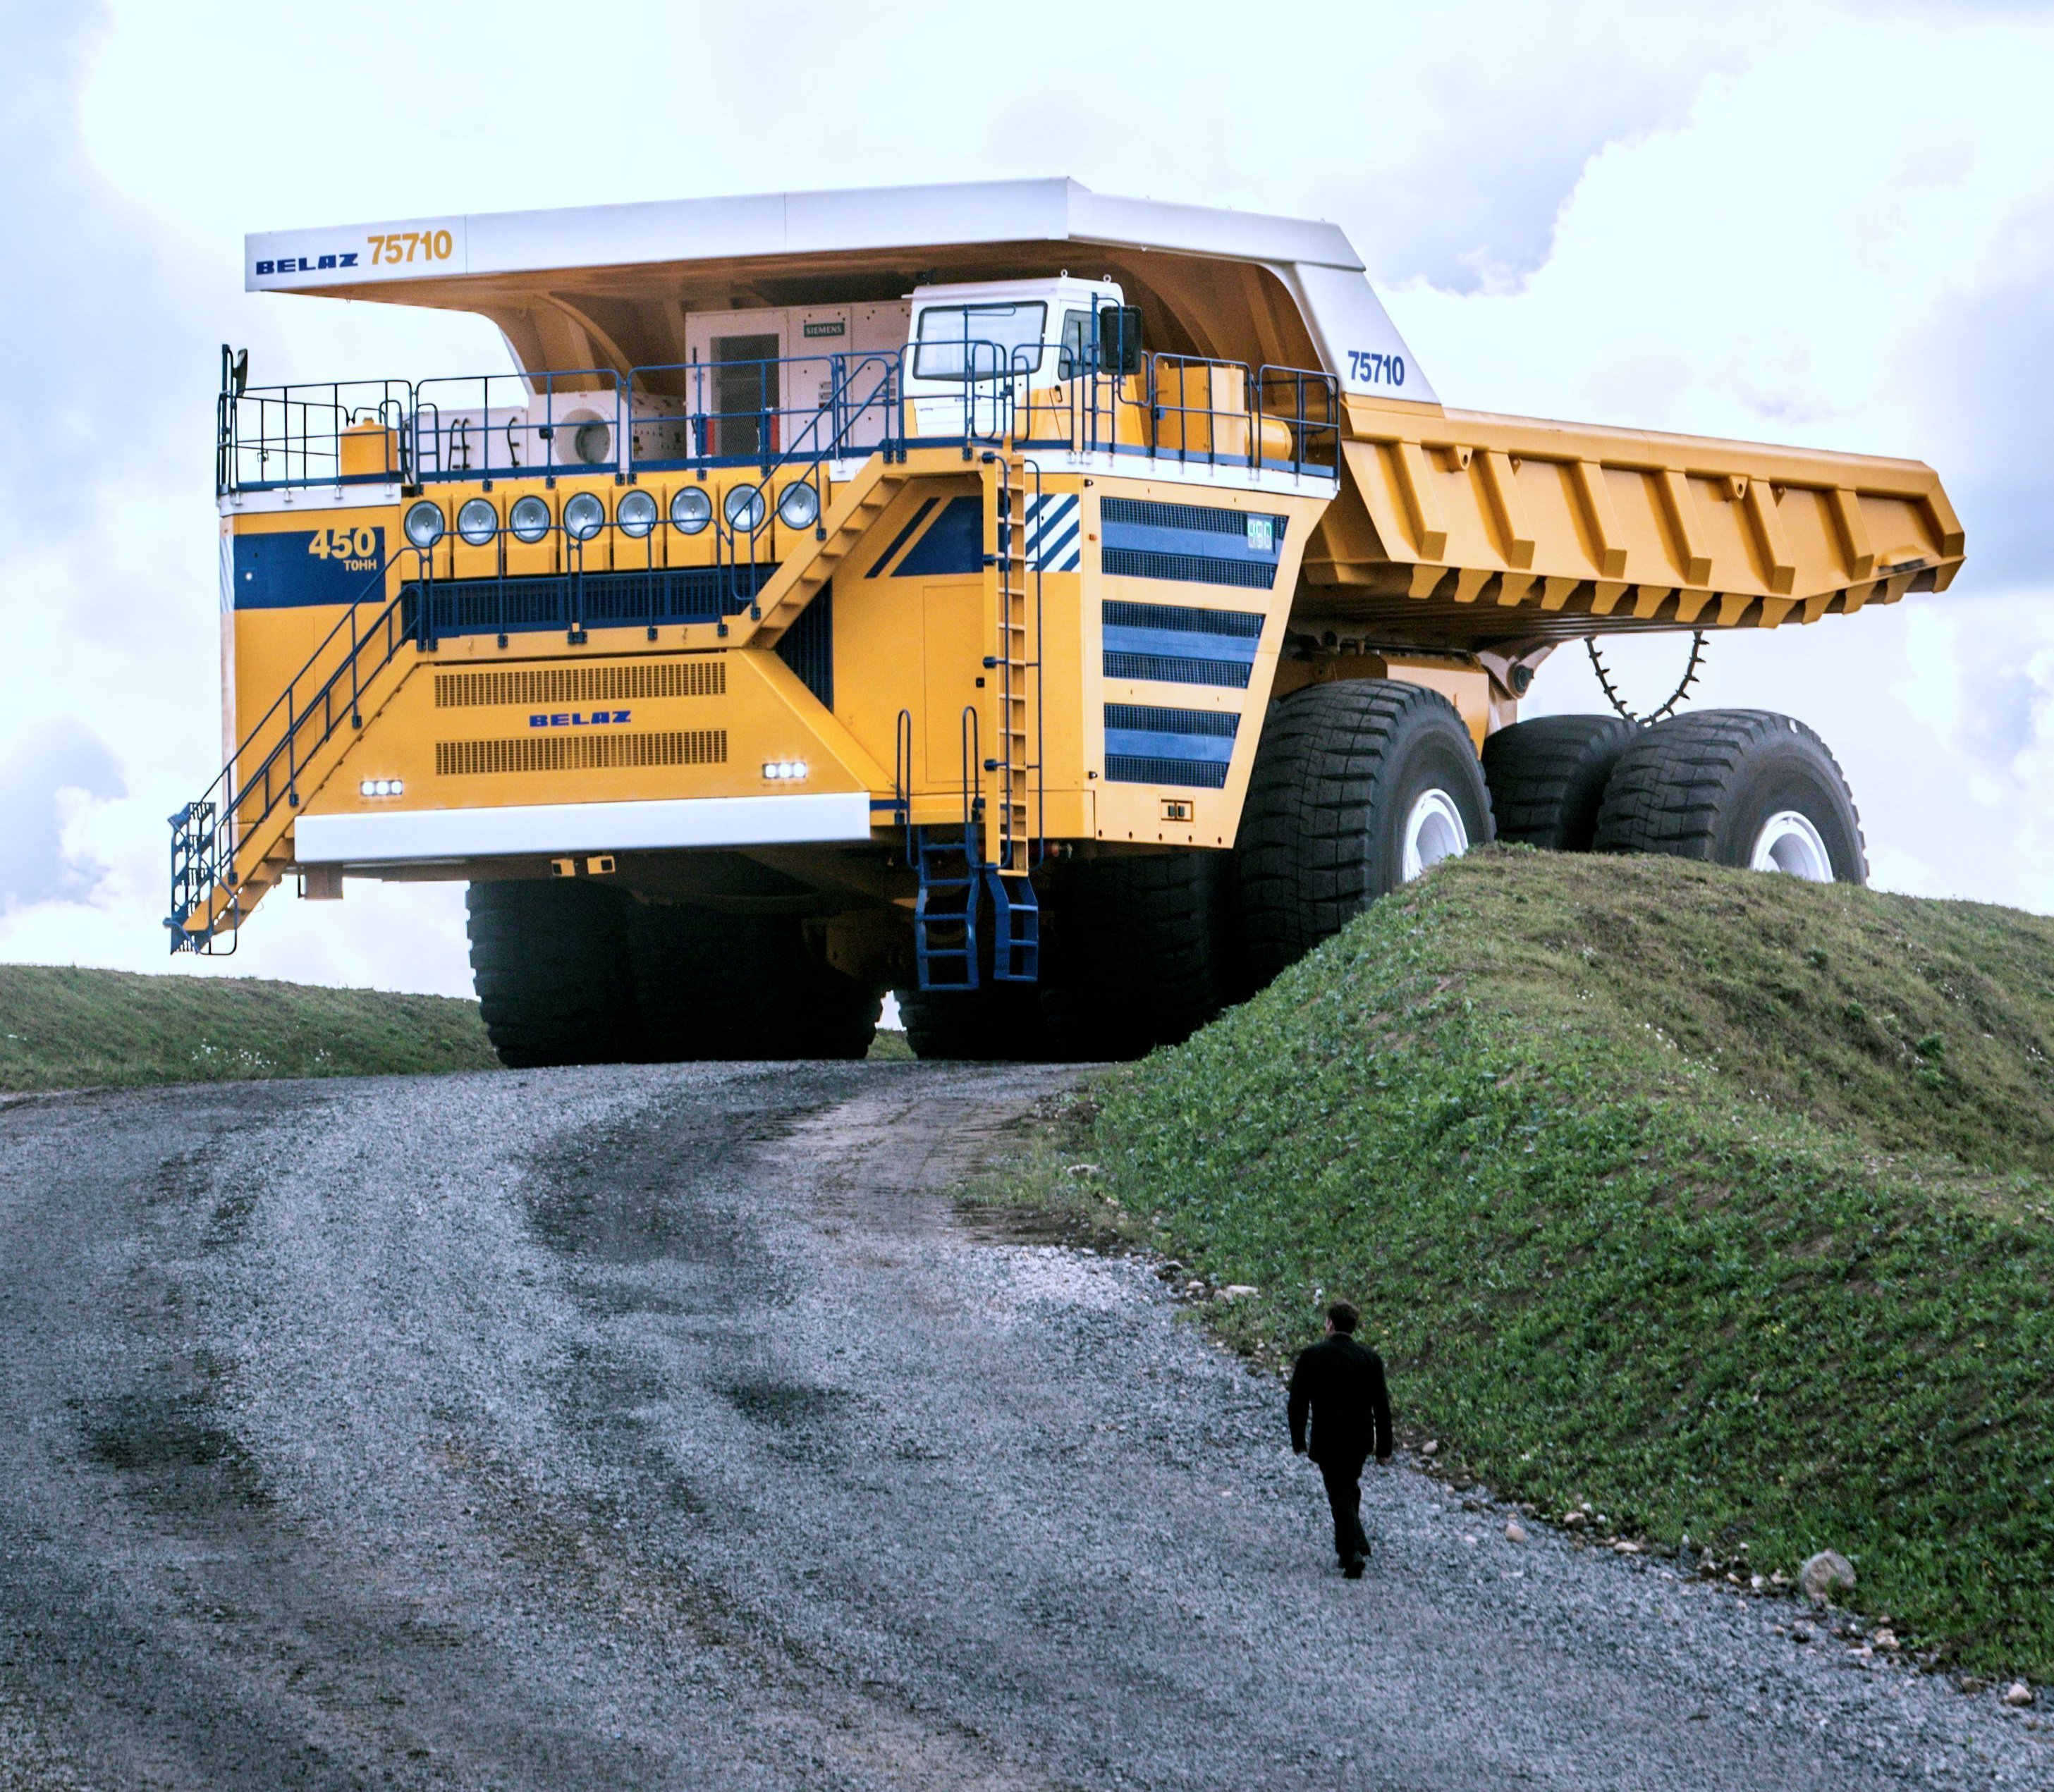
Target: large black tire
[(741, 986), (1548, 777), (549, 961), (995, 1023), (1138, 953), (1336, 777), (1708, 784)]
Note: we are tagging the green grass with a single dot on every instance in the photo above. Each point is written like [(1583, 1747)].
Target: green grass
[(74, 1029), (1717, 1200)]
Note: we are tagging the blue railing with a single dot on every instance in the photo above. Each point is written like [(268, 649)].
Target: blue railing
[(796, 410), (324, 696), (600, 571)]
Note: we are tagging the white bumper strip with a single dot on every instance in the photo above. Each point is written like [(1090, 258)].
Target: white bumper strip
[(409, 836)]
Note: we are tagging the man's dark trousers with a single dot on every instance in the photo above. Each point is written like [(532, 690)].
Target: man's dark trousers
[(1344, 1480)]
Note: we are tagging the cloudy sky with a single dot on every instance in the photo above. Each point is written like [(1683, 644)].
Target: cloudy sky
[(1805, 223)]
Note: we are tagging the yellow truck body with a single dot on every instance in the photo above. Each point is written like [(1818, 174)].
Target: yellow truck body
[(814, 527)]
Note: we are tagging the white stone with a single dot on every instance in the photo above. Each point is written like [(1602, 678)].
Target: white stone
[(1823, 1574)]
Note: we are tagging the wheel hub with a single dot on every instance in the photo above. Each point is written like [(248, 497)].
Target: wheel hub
[(1434, 830), (1788, 841)]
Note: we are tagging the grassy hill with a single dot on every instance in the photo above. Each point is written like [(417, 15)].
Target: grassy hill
[(70, 1029), (1717, 1200)]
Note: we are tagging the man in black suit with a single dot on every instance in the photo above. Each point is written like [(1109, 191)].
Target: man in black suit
[(1341, 1383)]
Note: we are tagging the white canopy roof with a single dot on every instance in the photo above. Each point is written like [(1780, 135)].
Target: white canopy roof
[(776, 224), (1315, 260)]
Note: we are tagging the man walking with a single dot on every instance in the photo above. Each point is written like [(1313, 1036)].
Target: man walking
[(1341, 1383)]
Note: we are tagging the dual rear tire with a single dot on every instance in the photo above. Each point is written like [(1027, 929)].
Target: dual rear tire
[(1744, 787)]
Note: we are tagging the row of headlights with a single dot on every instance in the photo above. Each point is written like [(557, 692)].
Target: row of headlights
[(691, 510)]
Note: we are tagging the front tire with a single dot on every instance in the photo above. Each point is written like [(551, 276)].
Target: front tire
[(549, 962), (995, 1023), (1357, 787), (714, 986), (1140, 952), (1735, 787)]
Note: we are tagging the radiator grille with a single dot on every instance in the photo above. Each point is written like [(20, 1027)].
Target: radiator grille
[(1222, 724), (1162, 670), (553, 752), (1201, 518), (528, 685), (1191, 569), (1183, 618), (1186, 774)]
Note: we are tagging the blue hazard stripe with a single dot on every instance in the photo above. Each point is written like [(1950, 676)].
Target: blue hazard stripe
[(1135, 743), (1177, 643)]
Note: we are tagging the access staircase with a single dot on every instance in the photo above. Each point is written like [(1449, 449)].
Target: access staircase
[(801, 577), (234, 844)]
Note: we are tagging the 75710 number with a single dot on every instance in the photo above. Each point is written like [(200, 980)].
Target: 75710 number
[(404, 246), (1376, 370)]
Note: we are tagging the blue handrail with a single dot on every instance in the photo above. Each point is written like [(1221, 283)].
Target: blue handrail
[(698, 416), (206, 834)]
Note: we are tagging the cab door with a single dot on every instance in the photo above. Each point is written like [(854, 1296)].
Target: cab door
[(738, 394)]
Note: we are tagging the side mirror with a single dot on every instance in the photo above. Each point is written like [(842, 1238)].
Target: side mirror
[(1119, 339)]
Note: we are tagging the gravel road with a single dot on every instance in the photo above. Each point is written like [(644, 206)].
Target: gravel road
[(640, 1428)]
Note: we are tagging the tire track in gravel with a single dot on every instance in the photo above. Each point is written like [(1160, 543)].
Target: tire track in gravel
[(637, 1428)]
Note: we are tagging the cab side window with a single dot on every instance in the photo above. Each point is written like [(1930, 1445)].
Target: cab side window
[(1073, 357)]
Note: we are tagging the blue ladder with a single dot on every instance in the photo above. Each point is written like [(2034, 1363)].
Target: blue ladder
[(946, 906), (945, 943), (1015, 945)]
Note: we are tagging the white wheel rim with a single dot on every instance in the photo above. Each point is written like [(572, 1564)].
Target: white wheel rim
[(1433, 831), (1788, 841)]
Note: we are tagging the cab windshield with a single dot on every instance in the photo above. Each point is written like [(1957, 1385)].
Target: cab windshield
[(979, 341)]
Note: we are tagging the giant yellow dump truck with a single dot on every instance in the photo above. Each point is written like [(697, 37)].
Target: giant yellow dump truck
[(1064, 610)]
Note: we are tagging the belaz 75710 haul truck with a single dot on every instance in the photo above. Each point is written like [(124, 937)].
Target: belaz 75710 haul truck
[(1065, 611)]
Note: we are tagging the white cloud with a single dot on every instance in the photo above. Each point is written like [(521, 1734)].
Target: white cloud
[(1825, 224), (1789, 262)]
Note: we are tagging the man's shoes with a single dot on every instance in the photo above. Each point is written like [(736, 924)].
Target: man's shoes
[(1353, 1566)]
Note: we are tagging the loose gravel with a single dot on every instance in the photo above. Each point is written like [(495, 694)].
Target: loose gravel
[(671, 1426)]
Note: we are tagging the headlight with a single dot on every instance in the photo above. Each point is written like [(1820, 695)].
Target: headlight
[(690, 510), (530, 521), (584, 517), (424, 524), (636, 514), (477, 522), (783, 771), (799, 506), (744, 507), (383, 786)]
